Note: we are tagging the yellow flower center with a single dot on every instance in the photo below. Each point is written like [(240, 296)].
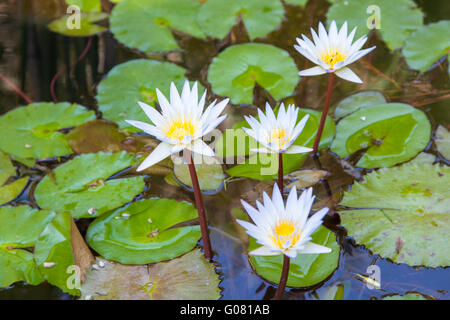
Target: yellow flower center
[(278, 137), (179, 129), (332, 57), (283, 232)]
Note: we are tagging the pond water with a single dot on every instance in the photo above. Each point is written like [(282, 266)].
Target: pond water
[(30, 56)]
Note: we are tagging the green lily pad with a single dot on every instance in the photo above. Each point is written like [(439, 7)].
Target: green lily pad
[(9, 191), (187, 277), (398, 19), (67, 25), (80, 185), (306, 269), (442, 141), (427, 45), (86, 5), (235, 70), (32, 131), (259, 16), (402, 213), (209, 172), (146, 24), (143, 232), (358, 101), (53, 253), (136, 80), (408, 296), (300, 3), (391, 132), (19, 228), (265, 166)]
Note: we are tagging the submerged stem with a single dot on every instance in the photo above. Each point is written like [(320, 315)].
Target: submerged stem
[(199, 205), (324, 114), (283, 279), (280, 172)]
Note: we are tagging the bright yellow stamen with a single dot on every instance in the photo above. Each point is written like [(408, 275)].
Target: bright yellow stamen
[(332, 57), (285, 231), (278, 137), (179, 129)]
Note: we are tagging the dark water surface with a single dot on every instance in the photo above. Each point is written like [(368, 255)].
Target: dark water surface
[(30, 56)]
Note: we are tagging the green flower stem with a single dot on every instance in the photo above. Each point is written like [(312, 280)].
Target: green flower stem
[(199, 205), (283, 279), (280, 172), (324, 114)]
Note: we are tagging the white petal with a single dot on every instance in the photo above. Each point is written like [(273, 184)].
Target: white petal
[(262, 150), (298, 149), (313, 248), (151, 113), (148, 128), (314, 71), (201, 147), (161, 152), (347, 74), (264, 251)]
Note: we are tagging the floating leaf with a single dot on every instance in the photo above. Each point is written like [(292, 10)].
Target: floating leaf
[(185, 278), (408, 296), (86, 5), (427, 45), (67, 25), (19, 228), (209, 172), (397, 19), (391, 133), (265, 166), (32, 131), (306, 269), (54, 256), (143, 232), (80, 185), (357, 101), (300, 3), (305, 178), (407, 205), (9, 191), (259, 16), (442, 141), (333, 292), (234, 72), (133, 81), (146, 24)]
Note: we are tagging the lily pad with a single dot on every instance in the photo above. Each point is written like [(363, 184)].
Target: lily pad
[(427, 45), (9, 191), (402, 213), (32, 131), (305, 178), (408, 296), (86, 5), (81, 186), (259, 16), (300, 3), (391, 133), (146, 24), (68, 25), (265, 166), (53, 253), (185, 278), (136, 80), (144, 232), (306, 269), (19, 228), (442, 141), (358, 101), (234, 72), (397, 19), (209, 172)]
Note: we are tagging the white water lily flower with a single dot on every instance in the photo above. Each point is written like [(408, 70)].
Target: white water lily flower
[(182, 123), (277, 134), (332, 51), (284, 229)]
